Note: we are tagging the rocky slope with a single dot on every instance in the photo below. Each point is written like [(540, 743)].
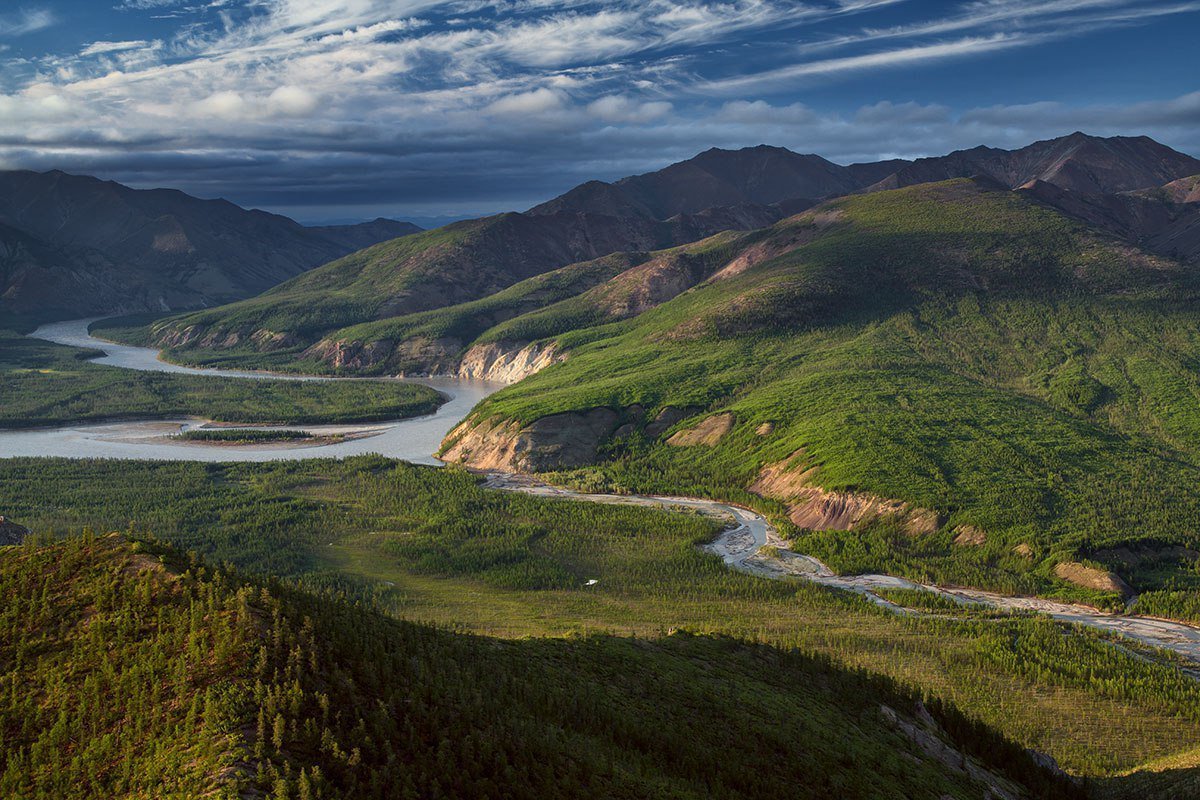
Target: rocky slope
[(75, 245)]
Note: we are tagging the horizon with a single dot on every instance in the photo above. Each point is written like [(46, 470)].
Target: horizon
[(434, 111), (430, 223)]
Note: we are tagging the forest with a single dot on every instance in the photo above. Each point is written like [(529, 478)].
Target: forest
[(130, 670)]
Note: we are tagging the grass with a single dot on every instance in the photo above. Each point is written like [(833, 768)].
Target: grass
[(430, 546), (49, 384)]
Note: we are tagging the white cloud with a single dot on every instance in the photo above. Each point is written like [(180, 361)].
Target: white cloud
[(539, 101), (292, 101), (26, 21), (96, 48), (227, 105), (622, 108)]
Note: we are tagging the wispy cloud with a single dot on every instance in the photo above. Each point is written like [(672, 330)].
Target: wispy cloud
[(25, 21), (386, 98)]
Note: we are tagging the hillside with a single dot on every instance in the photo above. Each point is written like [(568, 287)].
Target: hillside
[(142, 673), (72, 245), (398, 307), (943, 358), (455, 264)]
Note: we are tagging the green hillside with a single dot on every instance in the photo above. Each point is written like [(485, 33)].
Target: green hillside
[(959, 349), (130, 671)]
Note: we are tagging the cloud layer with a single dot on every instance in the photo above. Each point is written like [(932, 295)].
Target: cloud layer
[(345, 108)]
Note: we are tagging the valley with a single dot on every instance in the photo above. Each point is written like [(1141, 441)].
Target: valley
[(938, 435)]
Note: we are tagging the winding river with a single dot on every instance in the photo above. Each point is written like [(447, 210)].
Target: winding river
[(415, 439), (750, 544)]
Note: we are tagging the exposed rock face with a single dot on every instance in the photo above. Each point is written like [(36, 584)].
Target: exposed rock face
[(812, 507), (1092, 578), (556, 441), (11, 532), (708, 432), (969, 536), (507, 362)]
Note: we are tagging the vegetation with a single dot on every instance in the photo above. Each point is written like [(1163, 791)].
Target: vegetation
[(241, 435), (959, 350), (432, 546), (48, 384), (129, 671)]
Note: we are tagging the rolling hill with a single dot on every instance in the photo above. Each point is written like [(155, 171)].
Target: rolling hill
[(72, 245)]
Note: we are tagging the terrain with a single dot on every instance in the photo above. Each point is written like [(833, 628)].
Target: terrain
[(75, 246), (145, 673), (42, 383), (433, 546), (804, 442), (972, 382), (446, 301)]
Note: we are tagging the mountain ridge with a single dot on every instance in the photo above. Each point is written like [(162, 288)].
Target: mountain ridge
[(78, 245)]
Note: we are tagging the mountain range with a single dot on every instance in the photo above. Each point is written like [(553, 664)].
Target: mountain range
[(77, 246), (377, 310)]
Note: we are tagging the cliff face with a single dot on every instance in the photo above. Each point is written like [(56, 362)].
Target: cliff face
[(557, 441), (507, 362)]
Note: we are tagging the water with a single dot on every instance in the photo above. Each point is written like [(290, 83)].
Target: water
[(414, 439)]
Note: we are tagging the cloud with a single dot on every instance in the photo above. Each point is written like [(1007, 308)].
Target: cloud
[(539, 101), (26, 21), (292, 101), (96, 48), (622, 108), (434, 104)]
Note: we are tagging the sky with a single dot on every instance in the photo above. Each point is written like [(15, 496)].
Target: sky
[(341, 110)]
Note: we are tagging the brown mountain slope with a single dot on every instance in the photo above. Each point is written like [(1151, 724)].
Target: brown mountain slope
[(1078, 162), (754, 175), (77, 245)]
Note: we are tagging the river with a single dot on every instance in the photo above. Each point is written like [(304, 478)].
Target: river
[(415, 439)]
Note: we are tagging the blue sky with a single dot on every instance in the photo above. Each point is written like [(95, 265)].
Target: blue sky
[(348, 109)]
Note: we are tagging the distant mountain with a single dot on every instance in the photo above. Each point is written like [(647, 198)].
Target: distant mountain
[(1078, 163), (76, 245), (760, 175)]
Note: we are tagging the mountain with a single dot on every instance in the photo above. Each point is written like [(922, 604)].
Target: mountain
[(910, 364), (1077, 163), (454, 264), (73, 245), (755, 175), (144, 673), (370, 312), (1165, 220)]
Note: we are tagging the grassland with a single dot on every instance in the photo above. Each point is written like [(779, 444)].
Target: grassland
[(430, 546), (49, 384)]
